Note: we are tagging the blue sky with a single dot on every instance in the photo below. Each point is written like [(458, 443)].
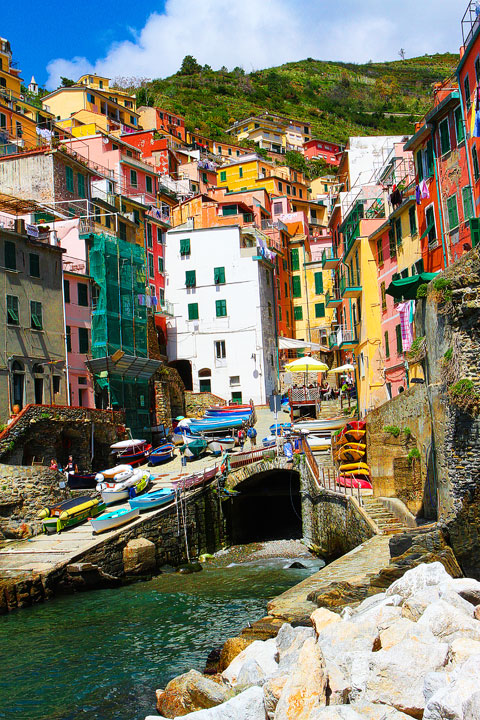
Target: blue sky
[(149, 39)]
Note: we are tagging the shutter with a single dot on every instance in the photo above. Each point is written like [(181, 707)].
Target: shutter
[(193, 311), (294, 259), (452, 211), (219, 275), (391, 243), (444, 137), (387, 345), (69, 178), (318, 283), (384, 297), (221, 308), (36, 315), (475, 231), (10, 255), (68, 338), (223, 176), (12, 310), (190, 278), (66, 290), (459, 126), (476, 172), (320, 310), (419, 267), (82, 290), (298, 313), (34, 265), (81, 185), (412, 217), (296, 287), (380, 251), (467, 203), (185, 246), (83, 344), (398, 231), (429, 158), (419, 160), (398, 332)]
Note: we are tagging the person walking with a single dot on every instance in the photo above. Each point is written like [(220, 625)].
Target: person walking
[(241, 438), (252, 434)]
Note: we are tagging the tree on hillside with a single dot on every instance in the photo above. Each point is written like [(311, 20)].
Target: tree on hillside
[(189, 66)]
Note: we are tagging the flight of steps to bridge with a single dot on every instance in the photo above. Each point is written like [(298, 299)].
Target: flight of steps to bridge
[(386, 521)]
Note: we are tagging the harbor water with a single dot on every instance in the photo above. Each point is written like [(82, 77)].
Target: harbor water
[(100, 655)]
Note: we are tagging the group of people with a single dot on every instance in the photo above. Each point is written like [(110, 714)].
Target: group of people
[(69, 469), (243, 434)]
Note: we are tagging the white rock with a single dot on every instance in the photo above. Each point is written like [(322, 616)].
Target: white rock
[(467, 588), (413, 607), (471, 707), (433, 682), (449, 700), (355, 666), (272, 690), (418, 578), (447, 622), (347, 613), (448, 595), (381, 616), (362, 711), (250, 674), (322, 617), (306, 686), (401, 630), (289, 647), (338, 685), (396, 675), (347, 636), (263, 652), (461, 649)]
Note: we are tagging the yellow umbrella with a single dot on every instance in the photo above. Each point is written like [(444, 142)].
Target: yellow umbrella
[(306, 365)]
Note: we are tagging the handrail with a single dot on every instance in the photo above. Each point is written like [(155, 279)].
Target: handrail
[(311, 459)]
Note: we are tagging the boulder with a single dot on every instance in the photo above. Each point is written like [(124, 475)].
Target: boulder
[(338, 685), (419, 578), (345, 637), (263, 652), (380, 616), (250, 674), (461, 649), (413, 607), (450, 698), (447, 622), (453, 598), (362, 711), (272, 690), (305, 689), (231, 648), (139, 557), (467, 588), (289, 645), (189, 692), (248, 704), (401, 630), (471, 707), (322, 617), (396, 675), (476, 613)]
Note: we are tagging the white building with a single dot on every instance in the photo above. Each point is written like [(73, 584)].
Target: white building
[(222, 338)]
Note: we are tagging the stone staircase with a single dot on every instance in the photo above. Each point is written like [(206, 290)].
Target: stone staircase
[(386, 521)]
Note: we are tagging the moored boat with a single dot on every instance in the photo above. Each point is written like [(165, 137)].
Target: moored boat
[(132, 452), (111, 520), (153, 499), (119, 473), (326, 424), (194, 447), (112, 493), (81, 481), (56, 518), (190, 481), (161, 454), (318, 444), (217, 445)]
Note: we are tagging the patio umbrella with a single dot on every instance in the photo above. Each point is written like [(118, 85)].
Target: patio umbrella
[(306, 364), (342, 369)]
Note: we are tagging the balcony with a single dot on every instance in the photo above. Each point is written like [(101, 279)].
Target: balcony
[(333, 341), (329, 259), (165, 309), (332, 298), (350, 285), (347, 339)]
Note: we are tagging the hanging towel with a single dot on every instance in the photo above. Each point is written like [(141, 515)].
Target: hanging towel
[(424, 193), (418, 195), (405, 325)]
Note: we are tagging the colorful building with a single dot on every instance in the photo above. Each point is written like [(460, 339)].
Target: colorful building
[(154, 118), (272, 132), (320, 149)]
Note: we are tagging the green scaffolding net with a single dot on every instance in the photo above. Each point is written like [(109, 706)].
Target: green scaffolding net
[(119, 322)]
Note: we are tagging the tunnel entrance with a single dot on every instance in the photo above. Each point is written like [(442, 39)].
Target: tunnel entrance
[(267, 508)]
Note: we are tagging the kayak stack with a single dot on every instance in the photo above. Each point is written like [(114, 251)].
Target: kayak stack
[(349, 452)]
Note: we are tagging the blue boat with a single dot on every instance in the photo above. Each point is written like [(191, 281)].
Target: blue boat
[(277, 428), (152, 499), (199, 426), (161, 454)]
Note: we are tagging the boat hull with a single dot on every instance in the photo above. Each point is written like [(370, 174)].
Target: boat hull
[(355, 482), (153, 499), (114, 495), (67, 519), (161, 454), (316, 425), (111, 520), (317, 444), (82, 481), (219, 445)]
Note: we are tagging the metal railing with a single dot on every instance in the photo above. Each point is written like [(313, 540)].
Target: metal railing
[(312, 463), (470, 22), (349, 280), (331, 296)]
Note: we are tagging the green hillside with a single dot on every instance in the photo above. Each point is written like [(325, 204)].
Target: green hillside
[(339, 99)]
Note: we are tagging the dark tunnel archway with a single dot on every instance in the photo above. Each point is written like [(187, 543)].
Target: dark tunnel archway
[(268, 507)]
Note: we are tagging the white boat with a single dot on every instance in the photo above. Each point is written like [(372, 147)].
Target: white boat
[(115, 474), (122, 491), (127, 444), (219, 445), (317, 444), (114, 519), (321, 425)]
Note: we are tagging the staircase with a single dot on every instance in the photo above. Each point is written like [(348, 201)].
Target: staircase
[(386, 521)]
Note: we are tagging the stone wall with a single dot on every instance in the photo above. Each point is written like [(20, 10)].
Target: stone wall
[(197, 403), (170, 394)]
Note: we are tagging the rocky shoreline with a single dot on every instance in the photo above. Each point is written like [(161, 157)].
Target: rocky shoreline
[(412, 651)]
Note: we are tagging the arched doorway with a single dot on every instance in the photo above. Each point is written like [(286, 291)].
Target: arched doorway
[(205, 380), (18, 384), (184, 369)]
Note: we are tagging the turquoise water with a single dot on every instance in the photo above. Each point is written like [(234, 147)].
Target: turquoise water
[(101, 655)]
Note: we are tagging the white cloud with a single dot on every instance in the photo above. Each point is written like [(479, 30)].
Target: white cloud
[(263, 33)]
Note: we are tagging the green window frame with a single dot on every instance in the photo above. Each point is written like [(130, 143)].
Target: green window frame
[(429, 158), (398, 231), (69, 179), (459, 128), (13, 316), (133, 178), (476, 170), (294, 258), (240, 172), (81, 185), (419, 162), (383, 296), (296, 287), (136, 217), (237, 397), (466, 89), (185, 246), (418, 268), (444, 129), (219, 275), (149, 235), (190, 278), (220, 308), (412, 219), (10, 255), (68, 337), (34, 264), (66, 290), (318, 283), (148, 184), (319, 310), (391, 243), (298, 313), (467, 203), (151, 265), (36, 315), (452, 212), (430, 222), (160, 265), (475, 231), (398, 334), (387, 344), (380, 251), (223, 175), (192, 311), (83, 341), (82, 294)]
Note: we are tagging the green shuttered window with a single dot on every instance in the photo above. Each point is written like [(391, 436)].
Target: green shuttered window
[(298, 313), (452, 211), (319, 310), (10, 255), (318, 283), (467, 203), (398, 333), (380, 251), (185, 246), (219, 275), (69, 179), (36, 315), (81, 185), (459, 129), (221, 308), (296, 286), (13, 317), (387, 345), (444, 136), (294, 259), (190, 278), (34, 264), (412, 217), (193, 311), (83, 342)]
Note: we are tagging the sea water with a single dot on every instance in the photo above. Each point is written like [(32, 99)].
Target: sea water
[(100, 655)]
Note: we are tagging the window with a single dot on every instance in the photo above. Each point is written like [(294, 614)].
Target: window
[(398, 231), (418, 267), (444, 136), (66, 290), (404, 273), (294, 190), (419, 163), (133, 178), (430, 221), (318, 283), (69, 179), (391, 243), (36, 319), (380, 251), (294, 259), (298, 313), (459, 129), (136, 217), (149, 235), (412, 218), (223, 176), (185, 246), (300, 192), (466, 88), (296, 287), (219, 275), (82, 294), (160, 265), (3, 118), (320, 310), (83, 342), (221, 308), (467, 203), (398, 333), (204, 178), (190, 279), (69, 338), (235, 380), (122, 230), (220, 350), (476, 171), (383, 296), (12, 310), (429, 158), (81, 185), (286, 290), (151, 265), (452, 212), (193, 311), (280, 186), (289, 190), (240, 172), (10, 255), (387, 345), (148, 184)]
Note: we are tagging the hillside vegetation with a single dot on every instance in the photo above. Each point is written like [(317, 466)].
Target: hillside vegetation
[(339, 99)]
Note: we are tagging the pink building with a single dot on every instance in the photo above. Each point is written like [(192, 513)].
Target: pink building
[(320, 149), (77, 293)]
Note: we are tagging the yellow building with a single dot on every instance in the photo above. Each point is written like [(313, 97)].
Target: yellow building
[(272, 132), (19, 119), (91, 100)]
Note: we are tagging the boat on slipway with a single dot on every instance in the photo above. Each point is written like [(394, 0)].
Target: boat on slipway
[(161, 454), (217, 445), (153, 499), (111, 520), (194, 447), (115, 492), (63, 515), (81, 481), (190, 481), (133, 452), (324, 425)]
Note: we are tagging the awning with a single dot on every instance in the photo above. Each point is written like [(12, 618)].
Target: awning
[(127, 366), (407, 287), (342, 369), (285, 343)]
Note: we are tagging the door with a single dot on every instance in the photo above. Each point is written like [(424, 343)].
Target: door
[(38, 391), (18, 385), (205, 385)]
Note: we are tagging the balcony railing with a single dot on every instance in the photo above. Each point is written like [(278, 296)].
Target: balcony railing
[(333, 298), (332, 340), (330, 260), (470, 22), (347, 338), (350, 285), (166, 308)]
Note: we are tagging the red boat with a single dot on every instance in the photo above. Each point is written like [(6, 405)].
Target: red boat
[(132, 452), (347, 481), (191, 481)]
